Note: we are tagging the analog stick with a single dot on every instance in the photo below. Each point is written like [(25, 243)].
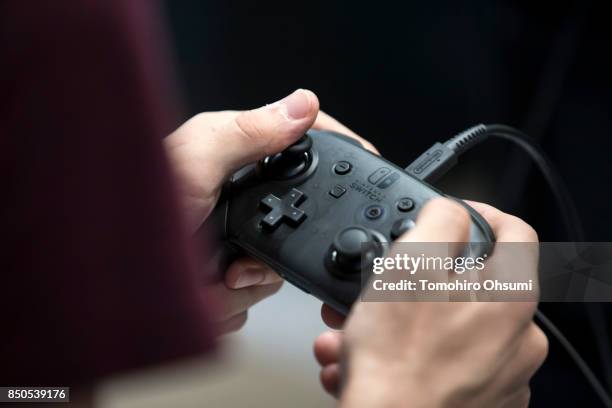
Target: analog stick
[(292, 161), (353, 247)]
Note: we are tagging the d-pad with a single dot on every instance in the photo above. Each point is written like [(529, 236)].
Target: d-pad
[(284, 209)]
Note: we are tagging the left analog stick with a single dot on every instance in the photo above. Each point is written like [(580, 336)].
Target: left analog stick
[(292, 161)]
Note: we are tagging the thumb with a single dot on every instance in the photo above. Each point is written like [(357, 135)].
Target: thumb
[(255, 134), (440, 220), (441, 227)]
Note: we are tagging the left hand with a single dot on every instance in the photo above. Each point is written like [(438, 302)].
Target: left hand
[(207, 149)]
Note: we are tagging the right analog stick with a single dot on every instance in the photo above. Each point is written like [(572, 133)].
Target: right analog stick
[(353, 247)]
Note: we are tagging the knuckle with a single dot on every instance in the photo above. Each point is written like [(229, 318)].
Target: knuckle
[(528, 233), (454, 209), (540, 344), (249, 127), (444, 207), (455, 215), (531, 234)]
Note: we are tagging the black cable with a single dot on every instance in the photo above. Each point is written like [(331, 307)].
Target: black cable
[(571, 220), (598, 323), (582, 365), (441, 157)]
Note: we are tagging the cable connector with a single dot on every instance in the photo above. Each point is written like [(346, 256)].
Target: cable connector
[(433, 164), (441, 157)]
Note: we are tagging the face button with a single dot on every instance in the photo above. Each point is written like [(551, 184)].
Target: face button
[(337, 191), (373, 212), (391, 178), (405, 204), (342, 167), (378, 175), (284, 209), (401, 226)]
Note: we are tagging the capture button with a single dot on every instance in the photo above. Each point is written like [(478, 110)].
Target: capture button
[(342, 167), (373, 212), (337, 191)]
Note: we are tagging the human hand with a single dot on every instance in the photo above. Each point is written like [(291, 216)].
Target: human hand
[(207, 149), (437, 353)]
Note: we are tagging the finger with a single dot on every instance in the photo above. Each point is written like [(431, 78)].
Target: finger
[(331, 317), (232, 324), (526, 360), (257, 133), (330, 379), (510, 262), (246, 272), (327, 348), (326, 122), (506, 227), (440, 220), (235, 301)]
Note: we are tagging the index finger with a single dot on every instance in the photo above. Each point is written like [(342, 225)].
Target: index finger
[(516, 260), (326, 122), (506, 227)]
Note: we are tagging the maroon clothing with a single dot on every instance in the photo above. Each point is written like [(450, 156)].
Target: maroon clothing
[(97, 272)]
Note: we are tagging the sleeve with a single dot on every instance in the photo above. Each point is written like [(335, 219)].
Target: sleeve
[(98, 274)]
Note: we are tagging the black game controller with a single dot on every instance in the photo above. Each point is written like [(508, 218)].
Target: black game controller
[(317, 210)]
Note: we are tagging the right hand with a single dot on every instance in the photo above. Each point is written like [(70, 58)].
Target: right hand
[(438, 354)]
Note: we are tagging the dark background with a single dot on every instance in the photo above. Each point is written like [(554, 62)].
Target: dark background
[(407, 76)]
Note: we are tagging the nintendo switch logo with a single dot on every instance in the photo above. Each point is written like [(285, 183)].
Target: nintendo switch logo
[(386, 175)]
